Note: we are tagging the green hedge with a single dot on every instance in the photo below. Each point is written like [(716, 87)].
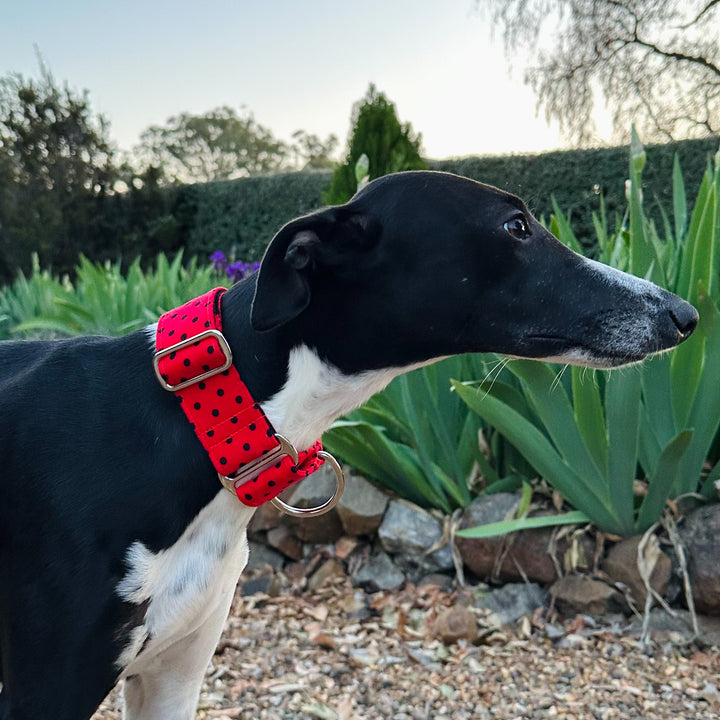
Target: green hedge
[(246, 213), (577, 178)]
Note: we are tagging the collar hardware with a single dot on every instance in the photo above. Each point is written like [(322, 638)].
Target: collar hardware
[(252, 469), (206, 334), (252, 461)]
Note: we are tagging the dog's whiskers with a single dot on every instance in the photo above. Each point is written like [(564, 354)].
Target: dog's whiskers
[(495, 370), (558, 377)]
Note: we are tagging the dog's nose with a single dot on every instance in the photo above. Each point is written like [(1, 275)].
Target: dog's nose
[(685, 317)]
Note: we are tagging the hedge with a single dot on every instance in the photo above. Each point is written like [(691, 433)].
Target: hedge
[(246, 213)]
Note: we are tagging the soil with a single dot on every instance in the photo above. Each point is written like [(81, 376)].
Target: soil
[(339, 654)]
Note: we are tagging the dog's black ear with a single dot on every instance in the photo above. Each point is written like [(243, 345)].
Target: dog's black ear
[(324, 239)]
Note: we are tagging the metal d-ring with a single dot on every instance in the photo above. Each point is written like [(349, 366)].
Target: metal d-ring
[(329, 504)]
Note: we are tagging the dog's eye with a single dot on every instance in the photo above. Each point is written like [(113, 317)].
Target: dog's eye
[(518, 228)]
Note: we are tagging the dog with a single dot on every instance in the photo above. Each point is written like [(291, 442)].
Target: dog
[(120, 549)]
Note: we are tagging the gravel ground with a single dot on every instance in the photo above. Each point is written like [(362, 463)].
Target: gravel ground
[(339, 654)]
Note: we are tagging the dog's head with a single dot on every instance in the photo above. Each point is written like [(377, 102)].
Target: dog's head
[(421, 265)]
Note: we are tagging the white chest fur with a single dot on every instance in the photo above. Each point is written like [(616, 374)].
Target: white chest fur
[(183, 584)]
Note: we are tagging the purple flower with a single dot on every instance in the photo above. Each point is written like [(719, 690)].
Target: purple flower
[(218, 260), (237, 270)]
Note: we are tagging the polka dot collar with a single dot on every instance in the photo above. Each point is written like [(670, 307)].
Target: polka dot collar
[(194, 361)]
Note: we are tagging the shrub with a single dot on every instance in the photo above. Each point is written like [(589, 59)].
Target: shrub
[(377, 133)]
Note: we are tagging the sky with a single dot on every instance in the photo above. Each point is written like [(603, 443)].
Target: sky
[(296, 64)]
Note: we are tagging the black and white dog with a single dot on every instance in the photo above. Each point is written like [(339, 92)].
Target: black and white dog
[(119, 548)]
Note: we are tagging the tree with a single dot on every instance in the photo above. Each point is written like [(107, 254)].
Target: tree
[(377, 133), (49, 137), (654, 63), (311, 152), (220, 145), (55, 161)]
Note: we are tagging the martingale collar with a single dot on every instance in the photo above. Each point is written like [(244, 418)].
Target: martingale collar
[(193, 360)]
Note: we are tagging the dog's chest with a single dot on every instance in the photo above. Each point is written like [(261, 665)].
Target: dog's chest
[(181, 585)]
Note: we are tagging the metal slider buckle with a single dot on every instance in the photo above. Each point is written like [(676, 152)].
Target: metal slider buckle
[(160, 354), (253, 469), (232, 482)]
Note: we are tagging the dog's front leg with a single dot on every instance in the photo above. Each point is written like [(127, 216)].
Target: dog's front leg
[(169, 686)]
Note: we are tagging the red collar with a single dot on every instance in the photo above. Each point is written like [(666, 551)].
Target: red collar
[(193, 360)]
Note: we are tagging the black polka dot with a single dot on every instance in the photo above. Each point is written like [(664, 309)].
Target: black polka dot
[(248, 496), (210, 433), (210, 349), (215, 413), (271, 483), (246, 446), (183, 336), (172, 355), (233, 420), (197, 406), (220, 392), (252, 426), (225, 373), (269, 432), (207, 323), (172, 332), (277, 465), (194, 319), (184, 317), (206, 368), (229, 441), (202, 386), (223, 461), (186, 362), (238, 399)]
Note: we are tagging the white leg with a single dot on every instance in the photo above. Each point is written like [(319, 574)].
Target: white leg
[(168, 688)]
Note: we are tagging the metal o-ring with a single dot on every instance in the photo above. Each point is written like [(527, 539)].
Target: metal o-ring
[(329, 504)]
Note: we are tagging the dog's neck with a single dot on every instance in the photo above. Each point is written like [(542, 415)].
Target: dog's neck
[(301, 394), (317, 393)]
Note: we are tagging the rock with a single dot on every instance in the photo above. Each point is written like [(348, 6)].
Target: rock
[(315, 490), (509, 603), (678, 627), (582, 594), (261, 557), (409, 532), (327, 572), (267, 584), (520, 556), (456, 623), (266, 517), (379, 574), (282, 539), (621, 566), (296, 572), (700, 535), (345, 547), (362, 507), (438, 580), (480, 554)]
